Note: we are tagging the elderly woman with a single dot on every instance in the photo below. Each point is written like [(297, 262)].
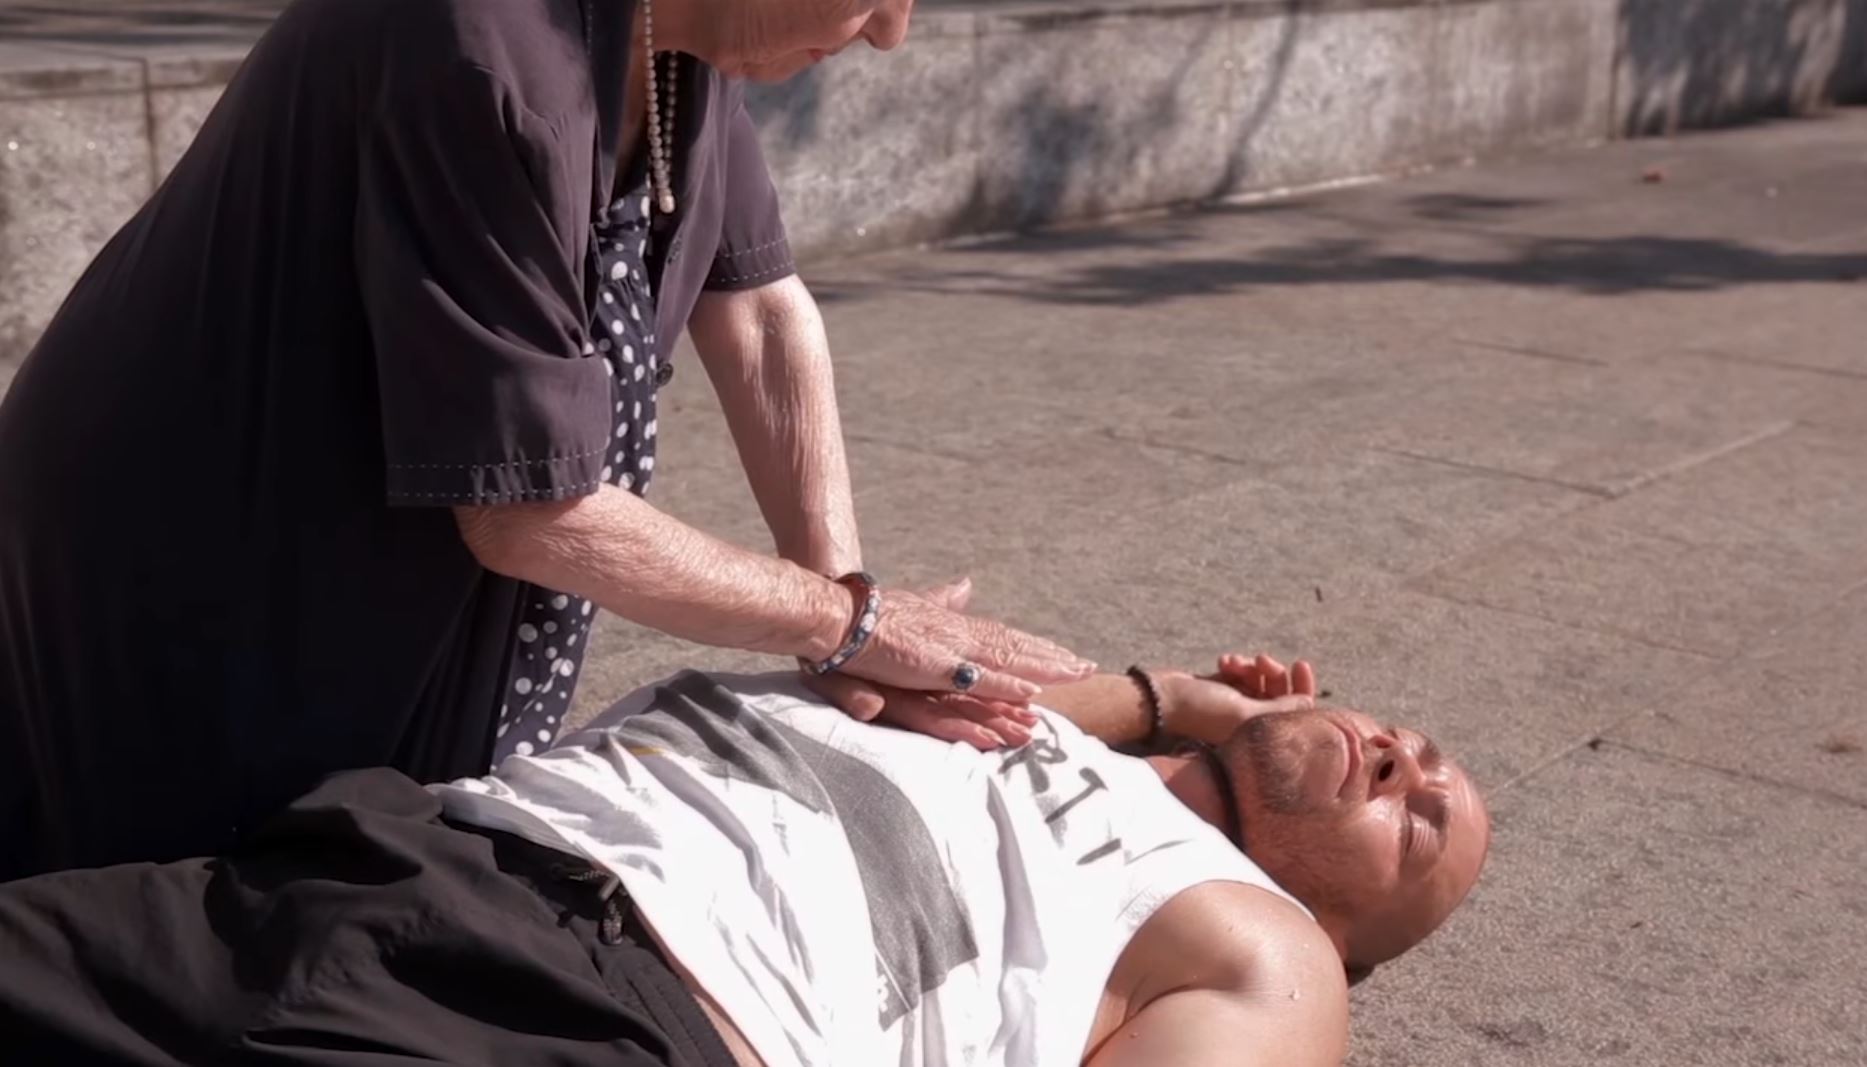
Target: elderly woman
[(329, 456)]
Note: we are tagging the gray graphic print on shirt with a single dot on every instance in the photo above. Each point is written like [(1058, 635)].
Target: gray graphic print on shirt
[(921, 930)]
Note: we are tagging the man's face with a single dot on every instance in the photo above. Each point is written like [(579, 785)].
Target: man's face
[(778, 38), (1369, 823)]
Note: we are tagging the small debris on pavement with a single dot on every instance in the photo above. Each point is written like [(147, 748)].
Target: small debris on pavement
[(1840, 745), (1653, 175)]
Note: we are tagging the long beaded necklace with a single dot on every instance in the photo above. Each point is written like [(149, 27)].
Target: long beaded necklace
[(659, 137)]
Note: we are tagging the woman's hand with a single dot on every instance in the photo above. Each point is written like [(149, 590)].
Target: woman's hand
[(1212, 708), (923, 637)]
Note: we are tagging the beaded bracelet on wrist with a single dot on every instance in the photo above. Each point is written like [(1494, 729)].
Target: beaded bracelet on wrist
[(1151, 693), (868, 613)]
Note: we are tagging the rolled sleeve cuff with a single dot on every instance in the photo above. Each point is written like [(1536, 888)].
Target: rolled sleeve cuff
[(510, 482), (749, 268), (517, 428)]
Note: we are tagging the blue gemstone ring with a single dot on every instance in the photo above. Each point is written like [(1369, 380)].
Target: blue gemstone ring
[(965, 676)]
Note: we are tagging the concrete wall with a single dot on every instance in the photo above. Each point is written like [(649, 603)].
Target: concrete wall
[(1006, 115), (1011, 116), (85, 136)]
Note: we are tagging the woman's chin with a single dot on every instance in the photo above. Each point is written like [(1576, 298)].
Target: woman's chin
[(772, 71)]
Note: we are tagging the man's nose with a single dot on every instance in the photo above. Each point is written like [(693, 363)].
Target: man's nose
[(1395, 766)]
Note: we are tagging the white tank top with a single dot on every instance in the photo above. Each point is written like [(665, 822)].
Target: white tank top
[(855, 895)]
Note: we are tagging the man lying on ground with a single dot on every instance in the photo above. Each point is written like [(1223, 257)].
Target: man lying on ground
[(726, 870)]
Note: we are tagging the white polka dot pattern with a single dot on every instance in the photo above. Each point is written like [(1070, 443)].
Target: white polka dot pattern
[(624, 340)]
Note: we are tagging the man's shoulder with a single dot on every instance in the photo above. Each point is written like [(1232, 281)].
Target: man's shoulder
[(1232, 936), (1224, 973)]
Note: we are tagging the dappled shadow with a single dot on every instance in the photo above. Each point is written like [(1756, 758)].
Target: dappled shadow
[(1599, 266), (1251, 119), (1467, 207), (1060, 144), (1067, 112), (1696, 63)]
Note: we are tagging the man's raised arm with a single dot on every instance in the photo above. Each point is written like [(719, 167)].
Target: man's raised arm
[(1119, 709)]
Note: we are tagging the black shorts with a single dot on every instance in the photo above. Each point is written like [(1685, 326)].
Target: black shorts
[(355, 928)]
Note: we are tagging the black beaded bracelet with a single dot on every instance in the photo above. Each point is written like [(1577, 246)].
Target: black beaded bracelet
[(1151, 693), (869, 597)]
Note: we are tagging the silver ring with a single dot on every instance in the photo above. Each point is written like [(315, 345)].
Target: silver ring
[(965, 676)]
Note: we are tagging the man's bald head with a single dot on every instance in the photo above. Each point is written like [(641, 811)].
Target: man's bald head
[(1372, 827)]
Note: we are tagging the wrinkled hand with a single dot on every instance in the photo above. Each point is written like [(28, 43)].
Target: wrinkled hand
[(921, 638), (1212, 708)]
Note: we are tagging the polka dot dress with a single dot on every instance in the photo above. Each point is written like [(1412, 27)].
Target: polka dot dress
[(554, 628)]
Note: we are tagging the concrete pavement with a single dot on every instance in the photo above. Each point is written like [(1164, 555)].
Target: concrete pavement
[(1565, 466)]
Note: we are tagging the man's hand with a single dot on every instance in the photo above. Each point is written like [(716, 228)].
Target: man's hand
[(1263, 678), (1211, 708), (986, 725)]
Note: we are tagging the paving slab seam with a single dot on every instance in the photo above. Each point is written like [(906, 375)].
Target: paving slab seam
[(1839, 597), (1599, 492), (1593, 739), (1691, 462), (1773, 364), (1184, 450), (1590, 740), (1531, 353), (904, 446), (1813, 792)]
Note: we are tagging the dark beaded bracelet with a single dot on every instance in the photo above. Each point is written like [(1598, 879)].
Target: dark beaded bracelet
[(1151, 693), (868, 613)]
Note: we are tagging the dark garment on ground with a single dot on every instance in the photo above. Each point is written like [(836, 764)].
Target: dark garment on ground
[(366, 293), (356, 928)]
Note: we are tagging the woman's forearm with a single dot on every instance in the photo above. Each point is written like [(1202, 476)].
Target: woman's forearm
[(768, 357), (650, 568)]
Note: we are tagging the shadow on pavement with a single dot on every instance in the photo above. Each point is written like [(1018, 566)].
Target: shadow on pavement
[(1597, 266)]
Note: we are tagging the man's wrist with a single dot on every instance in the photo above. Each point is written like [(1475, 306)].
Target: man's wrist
[(1171, 685)]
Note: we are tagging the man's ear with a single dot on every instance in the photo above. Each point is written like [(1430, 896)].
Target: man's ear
[(1358, 975)]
